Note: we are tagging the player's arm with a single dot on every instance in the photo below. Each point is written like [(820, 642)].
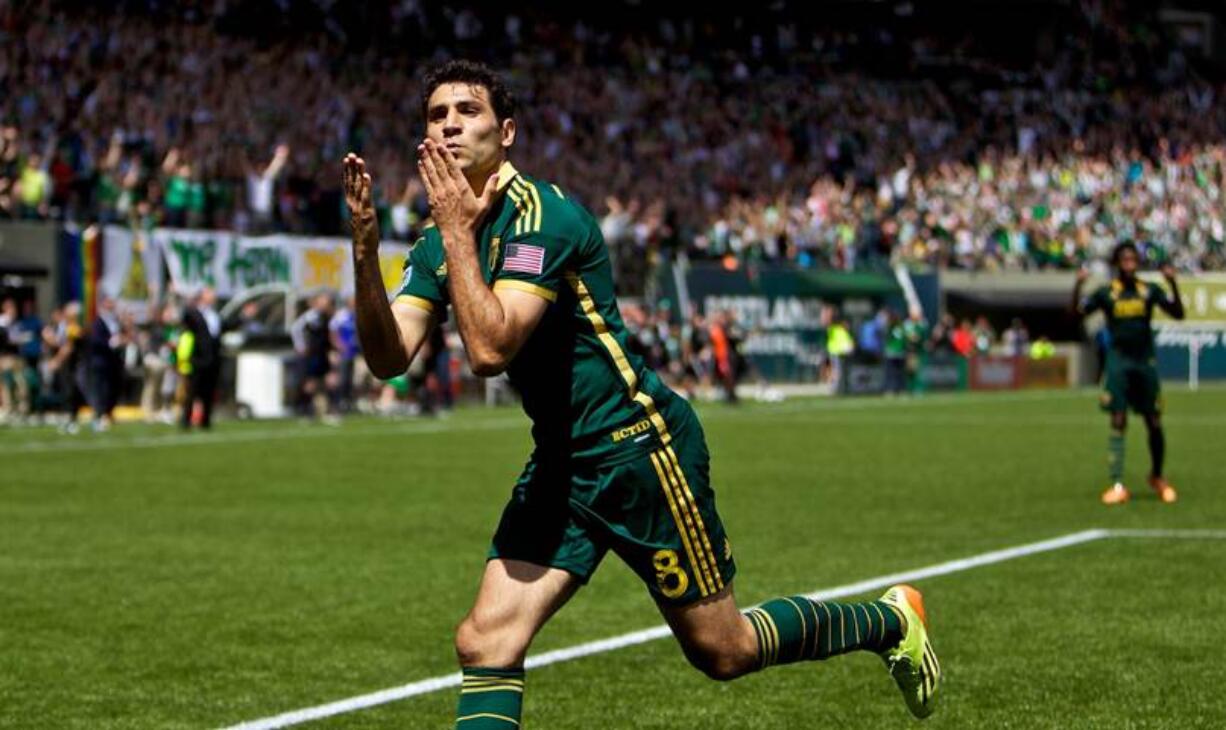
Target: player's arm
[(1174, 305), (493, 325), (1078, 305), (390, 334)]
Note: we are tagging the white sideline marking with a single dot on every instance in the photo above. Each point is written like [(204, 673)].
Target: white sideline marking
[(633, 638), (271, 434)]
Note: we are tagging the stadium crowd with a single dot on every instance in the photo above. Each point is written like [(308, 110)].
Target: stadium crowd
[(49, 370), (792, 141)]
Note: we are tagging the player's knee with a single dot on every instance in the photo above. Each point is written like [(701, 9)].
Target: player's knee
[(483, 644), (717, 665), (721, 661)]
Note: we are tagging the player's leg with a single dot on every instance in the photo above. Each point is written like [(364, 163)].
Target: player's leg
[(515, 599), (1114, 400), (725, 643), (539, 557), (1149, 403), (675, 541), (1116, 492)]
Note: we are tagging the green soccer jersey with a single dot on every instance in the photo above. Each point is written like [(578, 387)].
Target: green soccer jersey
[(585, 392), (1128, 309)]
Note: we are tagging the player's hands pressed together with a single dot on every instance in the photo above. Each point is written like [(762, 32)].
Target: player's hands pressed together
[(1168, 272), (456, 209), (362, 217)]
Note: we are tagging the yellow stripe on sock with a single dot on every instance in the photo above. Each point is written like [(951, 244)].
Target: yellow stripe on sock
[(481, 715), (829, 629), (769, 636), (699, 577), (842, 629), (770, 620), (881, 616), (479, 690), (803, 630)]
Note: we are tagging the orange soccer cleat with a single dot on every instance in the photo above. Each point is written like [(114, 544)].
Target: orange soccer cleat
[(1116, 494), (1163, 489)]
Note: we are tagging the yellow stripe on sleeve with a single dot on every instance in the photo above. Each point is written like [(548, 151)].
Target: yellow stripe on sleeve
[(546, 294), (419, 302)]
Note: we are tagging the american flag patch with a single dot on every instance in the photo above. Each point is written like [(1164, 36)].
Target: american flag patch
[(524, 258)]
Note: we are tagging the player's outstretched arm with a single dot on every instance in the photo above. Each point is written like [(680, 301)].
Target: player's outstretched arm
[(1075, 305), (390, 334), (493, 325), (1173, 306)]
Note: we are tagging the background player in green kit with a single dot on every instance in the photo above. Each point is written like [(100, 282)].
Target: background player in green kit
[(1131, 378), (620, 462)]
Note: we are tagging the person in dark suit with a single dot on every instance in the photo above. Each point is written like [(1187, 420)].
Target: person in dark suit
[(204, 324), (105, 362)]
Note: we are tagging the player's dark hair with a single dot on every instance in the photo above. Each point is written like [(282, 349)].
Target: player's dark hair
[(474, 74), (1119, 250)]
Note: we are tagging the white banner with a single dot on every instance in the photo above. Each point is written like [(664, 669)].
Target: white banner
[(131, 268), (231, 263)]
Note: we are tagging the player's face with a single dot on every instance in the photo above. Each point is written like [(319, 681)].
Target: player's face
[(1128, 262), (461, 117)]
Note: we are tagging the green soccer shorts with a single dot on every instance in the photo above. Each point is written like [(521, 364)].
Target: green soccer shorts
[(652, 505), (1131, 383)]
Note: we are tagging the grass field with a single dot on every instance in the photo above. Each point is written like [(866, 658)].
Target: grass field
[(152, 580)]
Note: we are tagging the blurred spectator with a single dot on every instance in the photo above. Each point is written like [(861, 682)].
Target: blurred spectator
[(33, 188), (871, 338), (249, 321), (983, 336), (157, 364), (1042, 349), (963, 339), (343, 330), (10, 361), (105, 363), (895, 354), (1016, 339), (762, 137), (29, 341), (313, 343), (72, 364), (203, 367), (839, 344), (723, 353), (915, 329), (260, 188)]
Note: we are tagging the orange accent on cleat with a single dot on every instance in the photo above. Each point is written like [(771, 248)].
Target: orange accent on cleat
[(1164, 490), (916, 599), (1115, 494)]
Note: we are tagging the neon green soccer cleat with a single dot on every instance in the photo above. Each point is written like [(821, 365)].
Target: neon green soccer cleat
[(913, 664)]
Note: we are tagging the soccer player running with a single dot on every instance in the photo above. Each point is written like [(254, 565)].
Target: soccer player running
[(620, 462), (1131, 380)]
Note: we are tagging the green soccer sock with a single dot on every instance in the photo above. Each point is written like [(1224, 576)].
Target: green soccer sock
[(796, 629), (1115, 456), (1157, 450), (490, 699)]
